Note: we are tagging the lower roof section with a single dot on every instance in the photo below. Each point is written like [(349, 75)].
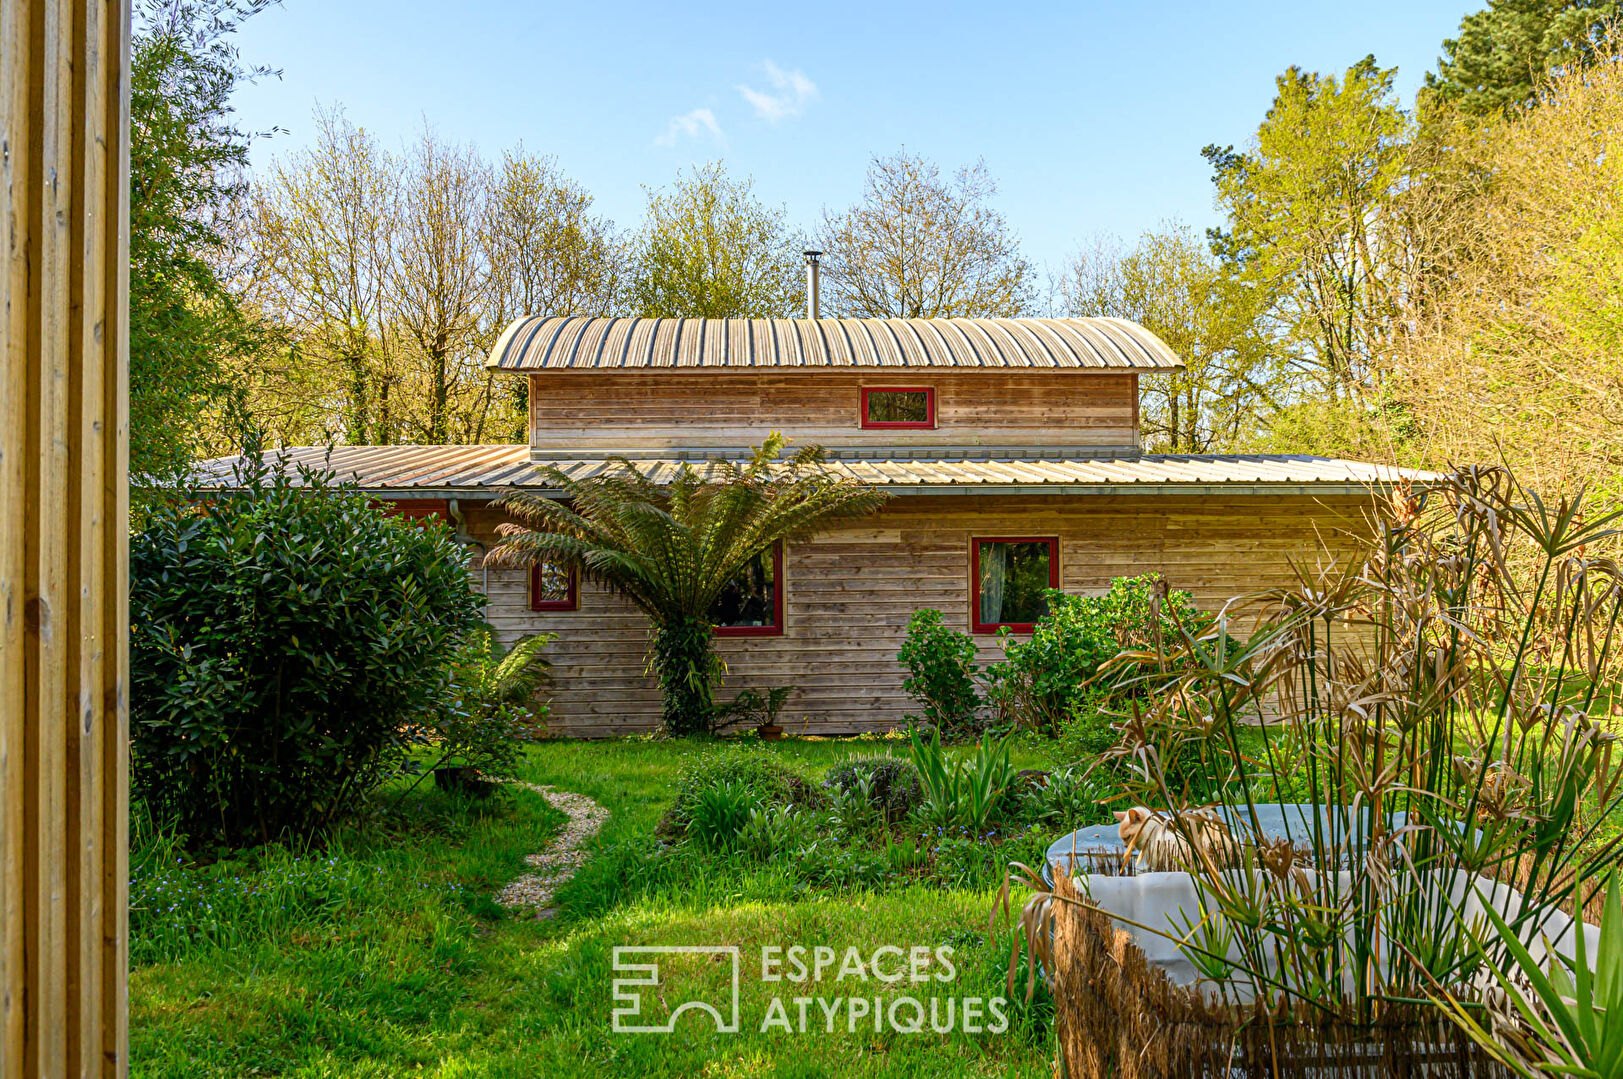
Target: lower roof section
[(485, 471)]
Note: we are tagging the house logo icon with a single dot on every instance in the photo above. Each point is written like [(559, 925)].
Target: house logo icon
[(628, 997)]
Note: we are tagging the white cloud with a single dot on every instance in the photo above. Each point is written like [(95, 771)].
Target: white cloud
[(790, 92), (692, 125)]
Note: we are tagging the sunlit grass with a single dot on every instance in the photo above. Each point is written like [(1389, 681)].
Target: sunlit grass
[(396, 962)]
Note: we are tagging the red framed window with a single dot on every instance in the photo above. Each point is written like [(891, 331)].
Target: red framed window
[(898, 407), (752, 603), (554, 587), (1008, 576)]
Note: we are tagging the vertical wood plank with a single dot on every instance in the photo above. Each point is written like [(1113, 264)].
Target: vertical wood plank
[(64, 109), (14, 69), (114, 553)]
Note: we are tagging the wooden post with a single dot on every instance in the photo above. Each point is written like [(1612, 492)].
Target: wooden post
[(64, 204)]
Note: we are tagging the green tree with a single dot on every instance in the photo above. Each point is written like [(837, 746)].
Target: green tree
[(671, 548), (922, 246), (1171, 284), (710, 249), (1310, 222), (1503, 53), (186, 183)]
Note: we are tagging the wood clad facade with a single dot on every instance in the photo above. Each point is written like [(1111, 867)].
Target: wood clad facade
[(64, 117), (849, 594), (706, 408)]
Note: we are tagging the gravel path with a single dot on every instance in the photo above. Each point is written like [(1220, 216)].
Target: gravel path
[(563, 855)]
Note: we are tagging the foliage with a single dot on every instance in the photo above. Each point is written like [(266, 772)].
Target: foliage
[(283, 633), (187, 162), (1563, 1010), (1051, 674), (710, 249), (1504, 51), (964, 793), (891, 784), (717, 814), (1307, 226), (941, 672), (672, 547), (922, 246), (1171, 284), (752, 708), (1067, 799), (774, 830), (760, 778), (490, 708), (1519, 345), (1486, 745)]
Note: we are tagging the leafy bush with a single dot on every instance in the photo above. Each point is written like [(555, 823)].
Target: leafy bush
[(1086, 731), (941, 672), (283, 635), (892, 784), (490, 710), (1071, 798), (964, 793), (765, 778), (1046, 677)]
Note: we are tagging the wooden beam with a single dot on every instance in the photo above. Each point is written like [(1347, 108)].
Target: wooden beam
[(64, 118)]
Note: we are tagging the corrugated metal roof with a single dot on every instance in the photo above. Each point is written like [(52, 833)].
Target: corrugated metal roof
[(554, 343), (475, 471)]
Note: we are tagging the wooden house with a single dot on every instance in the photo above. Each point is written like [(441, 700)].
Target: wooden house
[(1011, 449)]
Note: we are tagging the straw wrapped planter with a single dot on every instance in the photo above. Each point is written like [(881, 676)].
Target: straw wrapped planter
[(1117, 1016)]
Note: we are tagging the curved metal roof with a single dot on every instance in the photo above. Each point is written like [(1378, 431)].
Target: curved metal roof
[(553, 343)]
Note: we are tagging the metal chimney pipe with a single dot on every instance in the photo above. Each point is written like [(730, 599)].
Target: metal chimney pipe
[(811, 283)]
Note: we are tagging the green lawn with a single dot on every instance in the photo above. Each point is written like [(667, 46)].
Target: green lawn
[(383, 954)]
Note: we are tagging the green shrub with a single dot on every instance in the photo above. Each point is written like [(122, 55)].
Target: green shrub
[(283, 636), (489, 710), (774, 830), (941, 673), (1086, 731), (892, 783), (1043, 679), (765, 778)]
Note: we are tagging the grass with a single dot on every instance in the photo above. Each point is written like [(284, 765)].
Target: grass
[(383, 954)]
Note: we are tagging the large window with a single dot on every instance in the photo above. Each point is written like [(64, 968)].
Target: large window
[(1009, 578), (554, 587), (898, 406), (752, 603)]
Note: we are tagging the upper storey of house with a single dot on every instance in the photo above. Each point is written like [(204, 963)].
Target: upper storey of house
[(611, 385)]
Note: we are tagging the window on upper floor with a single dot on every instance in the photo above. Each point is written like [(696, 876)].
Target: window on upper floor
[(752, 603), (898, 406), (1009, 577), (554, 587)]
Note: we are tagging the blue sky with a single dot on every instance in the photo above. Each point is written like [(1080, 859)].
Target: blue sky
[(1090, 116)]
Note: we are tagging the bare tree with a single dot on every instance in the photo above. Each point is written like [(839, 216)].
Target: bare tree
[(324, 231), (439, 285), (921, 246)]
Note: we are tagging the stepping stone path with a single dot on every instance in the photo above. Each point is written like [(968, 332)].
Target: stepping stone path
[(563, 855)]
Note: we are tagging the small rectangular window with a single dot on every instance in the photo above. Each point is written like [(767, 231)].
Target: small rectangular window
[(554, 587), (1009, 577), (752, 603), (898, 406)]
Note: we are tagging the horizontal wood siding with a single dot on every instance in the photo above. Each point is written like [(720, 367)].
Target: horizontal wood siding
[(705, 409), (851, 592)]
